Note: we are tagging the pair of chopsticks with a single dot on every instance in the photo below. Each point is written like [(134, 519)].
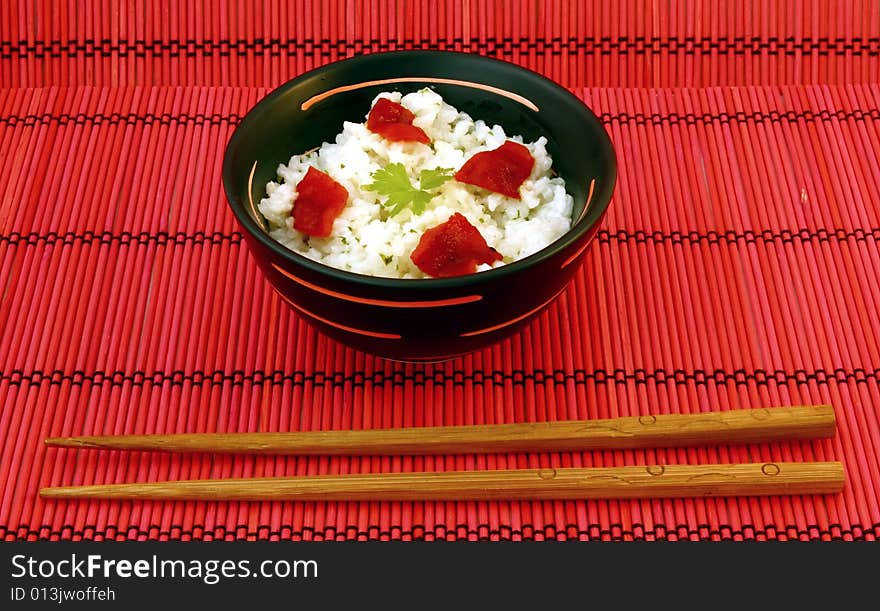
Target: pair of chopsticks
[(659, 481)]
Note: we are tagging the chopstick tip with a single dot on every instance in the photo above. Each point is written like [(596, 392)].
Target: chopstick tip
[(70, 442)]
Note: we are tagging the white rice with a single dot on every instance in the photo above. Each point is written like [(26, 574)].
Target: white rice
[(366, 240)]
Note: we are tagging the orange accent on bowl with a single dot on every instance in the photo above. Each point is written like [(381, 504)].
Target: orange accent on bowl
[(250, 187), (419, 79), (579, 252), (340, 326), (511, 321), (587, 203), (380, 302)]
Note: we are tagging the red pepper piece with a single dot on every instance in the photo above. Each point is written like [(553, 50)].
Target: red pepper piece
[(393, 122), (453, 248), (320, 199), (502, 170)]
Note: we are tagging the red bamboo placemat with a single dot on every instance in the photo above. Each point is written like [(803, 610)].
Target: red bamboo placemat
[(738, 266), (628, 43)]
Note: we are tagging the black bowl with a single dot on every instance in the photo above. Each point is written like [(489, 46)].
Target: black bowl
[(420, 319)]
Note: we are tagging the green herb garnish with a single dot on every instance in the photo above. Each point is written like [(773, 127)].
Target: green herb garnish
[(393, 182)]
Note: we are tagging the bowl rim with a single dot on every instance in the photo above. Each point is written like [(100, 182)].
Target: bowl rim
[(598, 204)]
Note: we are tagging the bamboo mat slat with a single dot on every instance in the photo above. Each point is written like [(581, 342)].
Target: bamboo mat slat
[(739, 264), (623, 44)]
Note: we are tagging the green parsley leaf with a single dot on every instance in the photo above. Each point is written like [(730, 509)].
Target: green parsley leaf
[(420, 201), (390, 179), (393, 182), (431, 179)]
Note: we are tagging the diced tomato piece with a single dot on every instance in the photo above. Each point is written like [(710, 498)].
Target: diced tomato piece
[(320, 199), (393, 122), (387, 111), (453, 248), (401, 132), (502, 170)]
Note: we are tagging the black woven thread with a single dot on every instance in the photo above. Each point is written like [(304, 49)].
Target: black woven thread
[(160, 238), (674, 118), (116, 118), (419, 377), (163, 238), (785, 236), (504, 46), (770, 116), (481, 531)]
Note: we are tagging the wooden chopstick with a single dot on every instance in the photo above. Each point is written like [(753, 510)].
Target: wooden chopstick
[(735, 426), (670, 481)]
